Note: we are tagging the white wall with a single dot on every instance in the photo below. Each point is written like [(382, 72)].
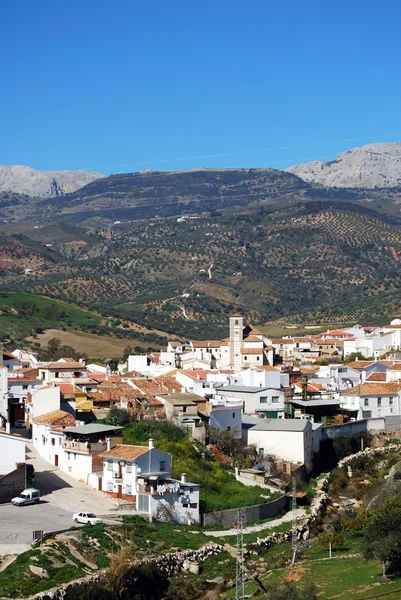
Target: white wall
[(45, 400), (137, 362), (294, 446), (12, 451), (48, 443), (227, 418), (76, 464), (3, 392)]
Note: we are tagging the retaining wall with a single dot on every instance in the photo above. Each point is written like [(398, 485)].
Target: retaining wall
[(12, 484), (258, 512)]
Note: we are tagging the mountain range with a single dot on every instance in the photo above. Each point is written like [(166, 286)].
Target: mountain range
[(25, 180), (264, 242), (371, 166)]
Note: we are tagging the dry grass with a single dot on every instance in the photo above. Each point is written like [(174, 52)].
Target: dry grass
[(93, 345)]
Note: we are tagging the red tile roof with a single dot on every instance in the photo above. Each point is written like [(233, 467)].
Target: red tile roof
[(373, 389), (195, 374), (125, 451), (59, 418)]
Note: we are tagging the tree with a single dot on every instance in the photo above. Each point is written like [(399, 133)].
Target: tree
[(354, 356), (127, 351), (382, 537), (118, 416), (342, 446), (286, 590), (331, 540)]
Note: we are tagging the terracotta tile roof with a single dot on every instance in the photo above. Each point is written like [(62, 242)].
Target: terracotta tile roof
[(360, 365), (376, 377), (9, 356), (195, 374), (59, 418), (337, 332), (69, 366), (125, 451), (253, 338), (168, 382), (287, 341), (330, 341), (252, 330), (396, 367), (153, 386), (251, 350), (66, 388), (268, 368), (300, 340), (373, 389), (206, 344), (175, 344)]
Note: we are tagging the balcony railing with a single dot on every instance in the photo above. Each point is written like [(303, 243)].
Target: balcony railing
[(84, 446)]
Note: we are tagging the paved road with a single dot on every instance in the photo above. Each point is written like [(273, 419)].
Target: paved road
[(61, 496)]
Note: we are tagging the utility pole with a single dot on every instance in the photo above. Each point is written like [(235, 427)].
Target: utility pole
[(239, 566), (294, 538)]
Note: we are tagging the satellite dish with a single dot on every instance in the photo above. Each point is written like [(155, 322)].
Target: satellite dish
[(138, 469)]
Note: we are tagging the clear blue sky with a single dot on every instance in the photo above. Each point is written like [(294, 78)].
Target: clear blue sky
[(125, 85)]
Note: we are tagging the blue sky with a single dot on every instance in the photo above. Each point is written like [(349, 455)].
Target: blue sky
[(128, 85)]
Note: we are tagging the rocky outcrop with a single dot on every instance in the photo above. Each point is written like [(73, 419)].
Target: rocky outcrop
[(371, 166), (43, 184)]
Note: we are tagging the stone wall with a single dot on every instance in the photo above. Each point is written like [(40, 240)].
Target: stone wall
[(258, 512), (166, 563), (12, 484)]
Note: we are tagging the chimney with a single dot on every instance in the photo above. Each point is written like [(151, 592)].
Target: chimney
[(183, 478), (173, 391), (151, 444), (108, 442)]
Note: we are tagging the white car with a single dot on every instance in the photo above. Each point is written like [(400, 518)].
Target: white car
[(87, 518)]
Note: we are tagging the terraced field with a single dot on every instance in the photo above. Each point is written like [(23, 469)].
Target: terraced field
[(308, 263)]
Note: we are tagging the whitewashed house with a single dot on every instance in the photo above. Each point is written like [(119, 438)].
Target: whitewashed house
[(286, 439), (255, 399), (47, 434), (372, 400), (12, 451), (142, 474), (61, 370)]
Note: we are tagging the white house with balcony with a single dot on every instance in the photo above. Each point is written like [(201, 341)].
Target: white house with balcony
[(61, 370), (142, 474)]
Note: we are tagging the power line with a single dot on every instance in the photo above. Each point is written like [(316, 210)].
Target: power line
[(242, 152), (239, 565)]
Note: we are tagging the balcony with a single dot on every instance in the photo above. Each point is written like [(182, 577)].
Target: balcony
[(86, 447)]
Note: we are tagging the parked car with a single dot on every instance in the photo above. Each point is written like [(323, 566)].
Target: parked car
[(20, 424), (28, 496), (87, 518)]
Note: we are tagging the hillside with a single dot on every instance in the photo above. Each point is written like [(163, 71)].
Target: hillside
[(25, 180), (166, 193), (371, 166), (311, 260)]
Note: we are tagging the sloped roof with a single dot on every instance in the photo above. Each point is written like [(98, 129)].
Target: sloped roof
[(61, 418), (65, 366), (125, 451), (376, 377), (373, 389)]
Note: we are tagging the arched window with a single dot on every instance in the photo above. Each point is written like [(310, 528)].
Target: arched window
[(236, 322)]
